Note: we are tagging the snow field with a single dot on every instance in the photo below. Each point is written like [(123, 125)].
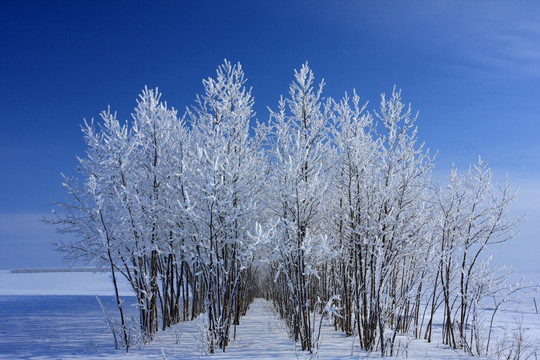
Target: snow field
[(70, 325)]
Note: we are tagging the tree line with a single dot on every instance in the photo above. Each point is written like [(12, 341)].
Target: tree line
[(325, 204)]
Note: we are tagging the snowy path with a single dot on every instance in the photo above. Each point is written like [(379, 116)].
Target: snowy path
[(261, 336)]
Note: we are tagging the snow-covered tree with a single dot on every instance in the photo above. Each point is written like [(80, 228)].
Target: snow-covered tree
[(227, 174), (397, 220), (298, 138), (91, 211), (127, 213), (380, 217), (354, 161), (157, 214), (472, 216)]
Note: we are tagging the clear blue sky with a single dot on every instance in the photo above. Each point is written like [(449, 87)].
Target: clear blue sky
[(472, 69)]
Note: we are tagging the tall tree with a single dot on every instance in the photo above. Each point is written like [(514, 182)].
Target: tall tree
[(298, 137), (227, 174), (472, 216)]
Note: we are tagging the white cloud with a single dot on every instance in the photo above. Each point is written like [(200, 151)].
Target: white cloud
[(492, 36), (502, 36)]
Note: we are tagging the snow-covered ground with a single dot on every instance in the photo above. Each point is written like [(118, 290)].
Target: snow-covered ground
[(56, 316)]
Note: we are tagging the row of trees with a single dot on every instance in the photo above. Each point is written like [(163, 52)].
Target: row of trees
[(324, 203), (173, 210), (360, 217)]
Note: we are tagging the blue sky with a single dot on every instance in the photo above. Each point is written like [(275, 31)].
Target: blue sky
[(472, 70)]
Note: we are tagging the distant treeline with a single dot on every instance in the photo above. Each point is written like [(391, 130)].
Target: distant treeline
[(53, 270)]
